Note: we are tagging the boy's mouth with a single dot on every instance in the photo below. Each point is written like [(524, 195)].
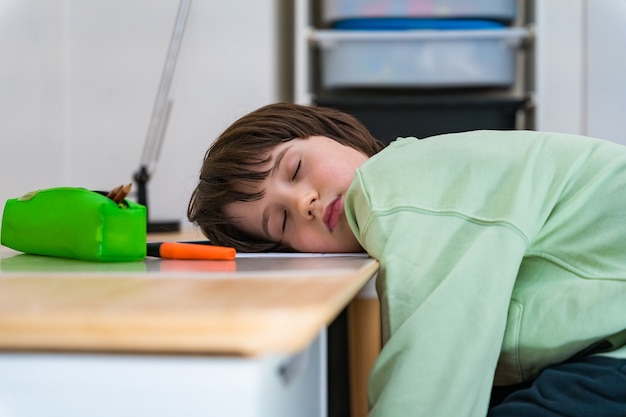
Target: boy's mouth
[(332, 214)]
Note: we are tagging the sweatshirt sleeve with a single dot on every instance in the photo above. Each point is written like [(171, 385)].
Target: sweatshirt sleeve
[(445, 286), (445, 301)]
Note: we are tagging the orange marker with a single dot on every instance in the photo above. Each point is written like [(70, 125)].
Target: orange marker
[(176, 250)]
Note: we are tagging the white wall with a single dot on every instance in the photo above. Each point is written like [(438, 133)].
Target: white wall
[(559, 71), (581, 67), (78, 80), (32, 101), (606, 66)]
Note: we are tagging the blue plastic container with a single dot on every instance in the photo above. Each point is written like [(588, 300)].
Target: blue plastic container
[(407, 23), (501, 10)]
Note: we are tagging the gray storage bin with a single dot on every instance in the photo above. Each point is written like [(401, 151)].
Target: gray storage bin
[(418, 58)]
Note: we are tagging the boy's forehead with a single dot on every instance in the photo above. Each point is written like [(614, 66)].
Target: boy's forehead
[(262, 163), (246, 216)]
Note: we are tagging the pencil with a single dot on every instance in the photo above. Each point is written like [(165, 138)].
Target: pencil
[(121, 194), (113, 192), (177, 250)]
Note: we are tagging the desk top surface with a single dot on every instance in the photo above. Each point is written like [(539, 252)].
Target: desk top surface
[(251, 306)]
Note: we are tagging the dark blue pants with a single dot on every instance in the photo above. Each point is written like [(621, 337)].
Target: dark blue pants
[(588, 387)]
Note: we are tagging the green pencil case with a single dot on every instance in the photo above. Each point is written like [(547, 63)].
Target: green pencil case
[(75, 223)]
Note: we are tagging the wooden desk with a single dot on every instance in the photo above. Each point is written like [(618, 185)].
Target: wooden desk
[(245, 325)]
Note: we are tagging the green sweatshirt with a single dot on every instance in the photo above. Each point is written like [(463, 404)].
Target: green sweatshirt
[(501, 252)]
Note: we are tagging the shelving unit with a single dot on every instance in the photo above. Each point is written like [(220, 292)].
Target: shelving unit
[(392, 108), (390, 111)]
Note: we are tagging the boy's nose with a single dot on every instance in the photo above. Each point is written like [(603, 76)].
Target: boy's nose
[(306, 205)]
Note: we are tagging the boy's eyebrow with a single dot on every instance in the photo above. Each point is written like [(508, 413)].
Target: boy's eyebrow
[(274, 170), (278, 160)]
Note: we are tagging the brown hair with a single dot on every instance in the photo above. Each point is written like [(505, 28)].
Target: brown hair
[(239, 152)]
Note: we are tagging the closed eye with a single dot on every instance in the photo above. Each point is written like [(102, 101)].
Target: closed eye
[(284, 221), (295, 174)]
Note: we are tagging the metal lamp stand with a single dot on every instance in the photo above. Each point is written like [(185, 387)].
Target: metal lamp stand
[(158, 122)]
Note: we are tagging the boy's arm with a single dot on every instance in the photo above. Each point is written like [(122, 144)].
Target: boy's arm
[(445, 290)]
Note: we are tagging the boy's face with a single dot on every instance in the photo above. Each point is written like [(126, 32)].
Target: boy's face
[(302, 207)]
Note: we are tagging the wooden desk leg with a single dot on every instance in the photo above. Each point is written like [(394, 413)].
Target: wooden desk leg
[(364, 344)]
